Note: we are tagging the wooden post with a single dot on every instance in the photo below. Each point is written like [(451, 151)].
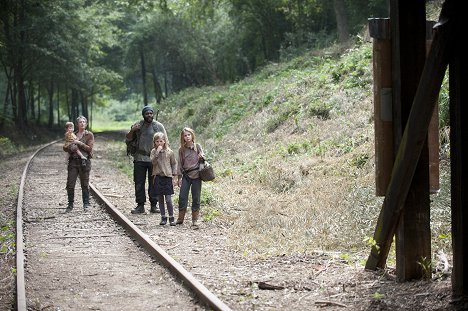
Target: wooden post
[(433, 133), (379, 30), (413, 235), (412, 142), (458, 83)]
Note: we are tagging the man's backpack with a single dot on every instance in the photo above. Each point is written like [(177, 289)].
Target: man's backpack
[(132, 145)]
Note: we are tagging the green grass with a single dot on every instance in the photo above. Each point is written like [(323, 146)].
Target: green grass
[(292, 145)]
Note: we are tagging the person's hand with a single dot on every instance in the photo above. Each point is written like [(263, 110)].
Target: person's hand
[(158, 149), (136, 126)]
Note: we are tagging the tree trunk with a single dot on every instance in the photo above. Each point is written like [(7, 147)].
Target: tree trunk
[(58, 105), (14, 105), (5, 104), (341, 20), (21, 116), (39, 104), (165, 83), (84, 105), (50, 91), (74, 105), (32, 101), (157, 87), (143, 76), (67, 103)]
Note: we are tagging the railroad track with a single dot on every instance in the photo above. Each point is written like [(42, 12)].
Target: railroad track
[(94, 259)]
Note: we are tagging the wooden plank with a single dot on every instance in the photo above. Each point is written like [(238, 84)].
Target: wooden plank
[(433, 134), (411, 145), (379, 30), (413, 234), (458, 81)]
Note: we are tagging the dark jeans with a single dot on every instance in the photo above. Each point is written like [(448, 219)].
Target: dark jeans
[(188, 183), (142, 172), (75, 169)]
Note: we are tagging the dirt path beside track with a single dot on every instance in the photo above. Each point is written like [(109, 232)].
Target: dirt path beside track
[(321, 281)]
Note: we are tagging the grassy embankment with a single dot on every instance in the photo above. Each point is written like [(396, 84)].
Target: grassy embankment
[(293, 147)]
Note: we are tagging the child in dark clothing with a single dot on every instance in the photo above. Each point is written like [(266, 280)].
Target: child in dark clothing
[(164, 171)]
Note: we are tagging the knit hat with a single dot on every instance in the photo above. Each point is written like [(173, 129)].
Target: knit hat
[(146, 109)]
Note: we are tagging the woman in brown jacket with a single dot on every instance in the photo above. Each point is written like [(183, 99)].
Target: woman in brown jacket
[(77, 167)]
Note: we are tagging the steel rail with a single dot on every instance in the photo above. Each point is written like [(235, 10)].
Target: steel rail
[(156, 251), (150, 246), (21, 304)]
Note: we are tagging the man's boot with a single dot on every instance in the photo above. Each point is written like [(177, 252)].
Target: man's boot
[(195, 215), (85, 194), (71, 199), (163, 220), (154, 208), (180, 218), (140, 209)]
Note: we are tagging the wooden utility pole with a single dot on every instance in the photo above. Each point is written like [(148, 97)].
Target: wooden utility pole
[(458, 82), (413, 235), (396, 211), (379, 30)]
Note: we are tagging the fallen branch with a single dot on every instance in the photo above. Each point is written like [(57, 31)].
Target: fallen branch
[(82, 236), (263, 285), (326, 303), (113, 195), (174, 246), (38, 219)]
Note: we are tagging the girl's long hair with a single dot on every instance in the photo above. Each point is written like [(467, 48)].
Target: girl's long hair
[(160, 135), (182, 141)]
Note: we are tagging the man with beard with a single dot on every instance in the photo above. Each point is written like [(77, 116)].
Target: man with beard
[(143, 131)]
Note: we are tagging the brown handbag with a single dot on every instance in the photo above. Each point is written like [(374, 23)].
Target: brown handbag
[(206, 171)]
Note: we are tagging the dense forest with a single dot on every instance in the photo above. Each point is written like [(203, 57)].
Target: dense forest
[(62, 58)]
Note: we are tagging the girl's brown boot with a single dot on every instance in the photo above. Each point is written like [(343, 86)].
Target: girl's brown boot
[(180, 218), (195, 215)]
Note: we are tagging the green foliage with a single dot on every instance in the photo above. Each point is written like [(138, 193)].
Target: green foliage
[(7, 238), (210, 213), (118, 155), (89, 49), (426, 265), (345, 257), (319, 109), (378, 296), (444, 103), (207, 196), (371, 242), (6, 146), (360, 160), (126, 111), (354, 68), (297, 148), (282, 114)]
